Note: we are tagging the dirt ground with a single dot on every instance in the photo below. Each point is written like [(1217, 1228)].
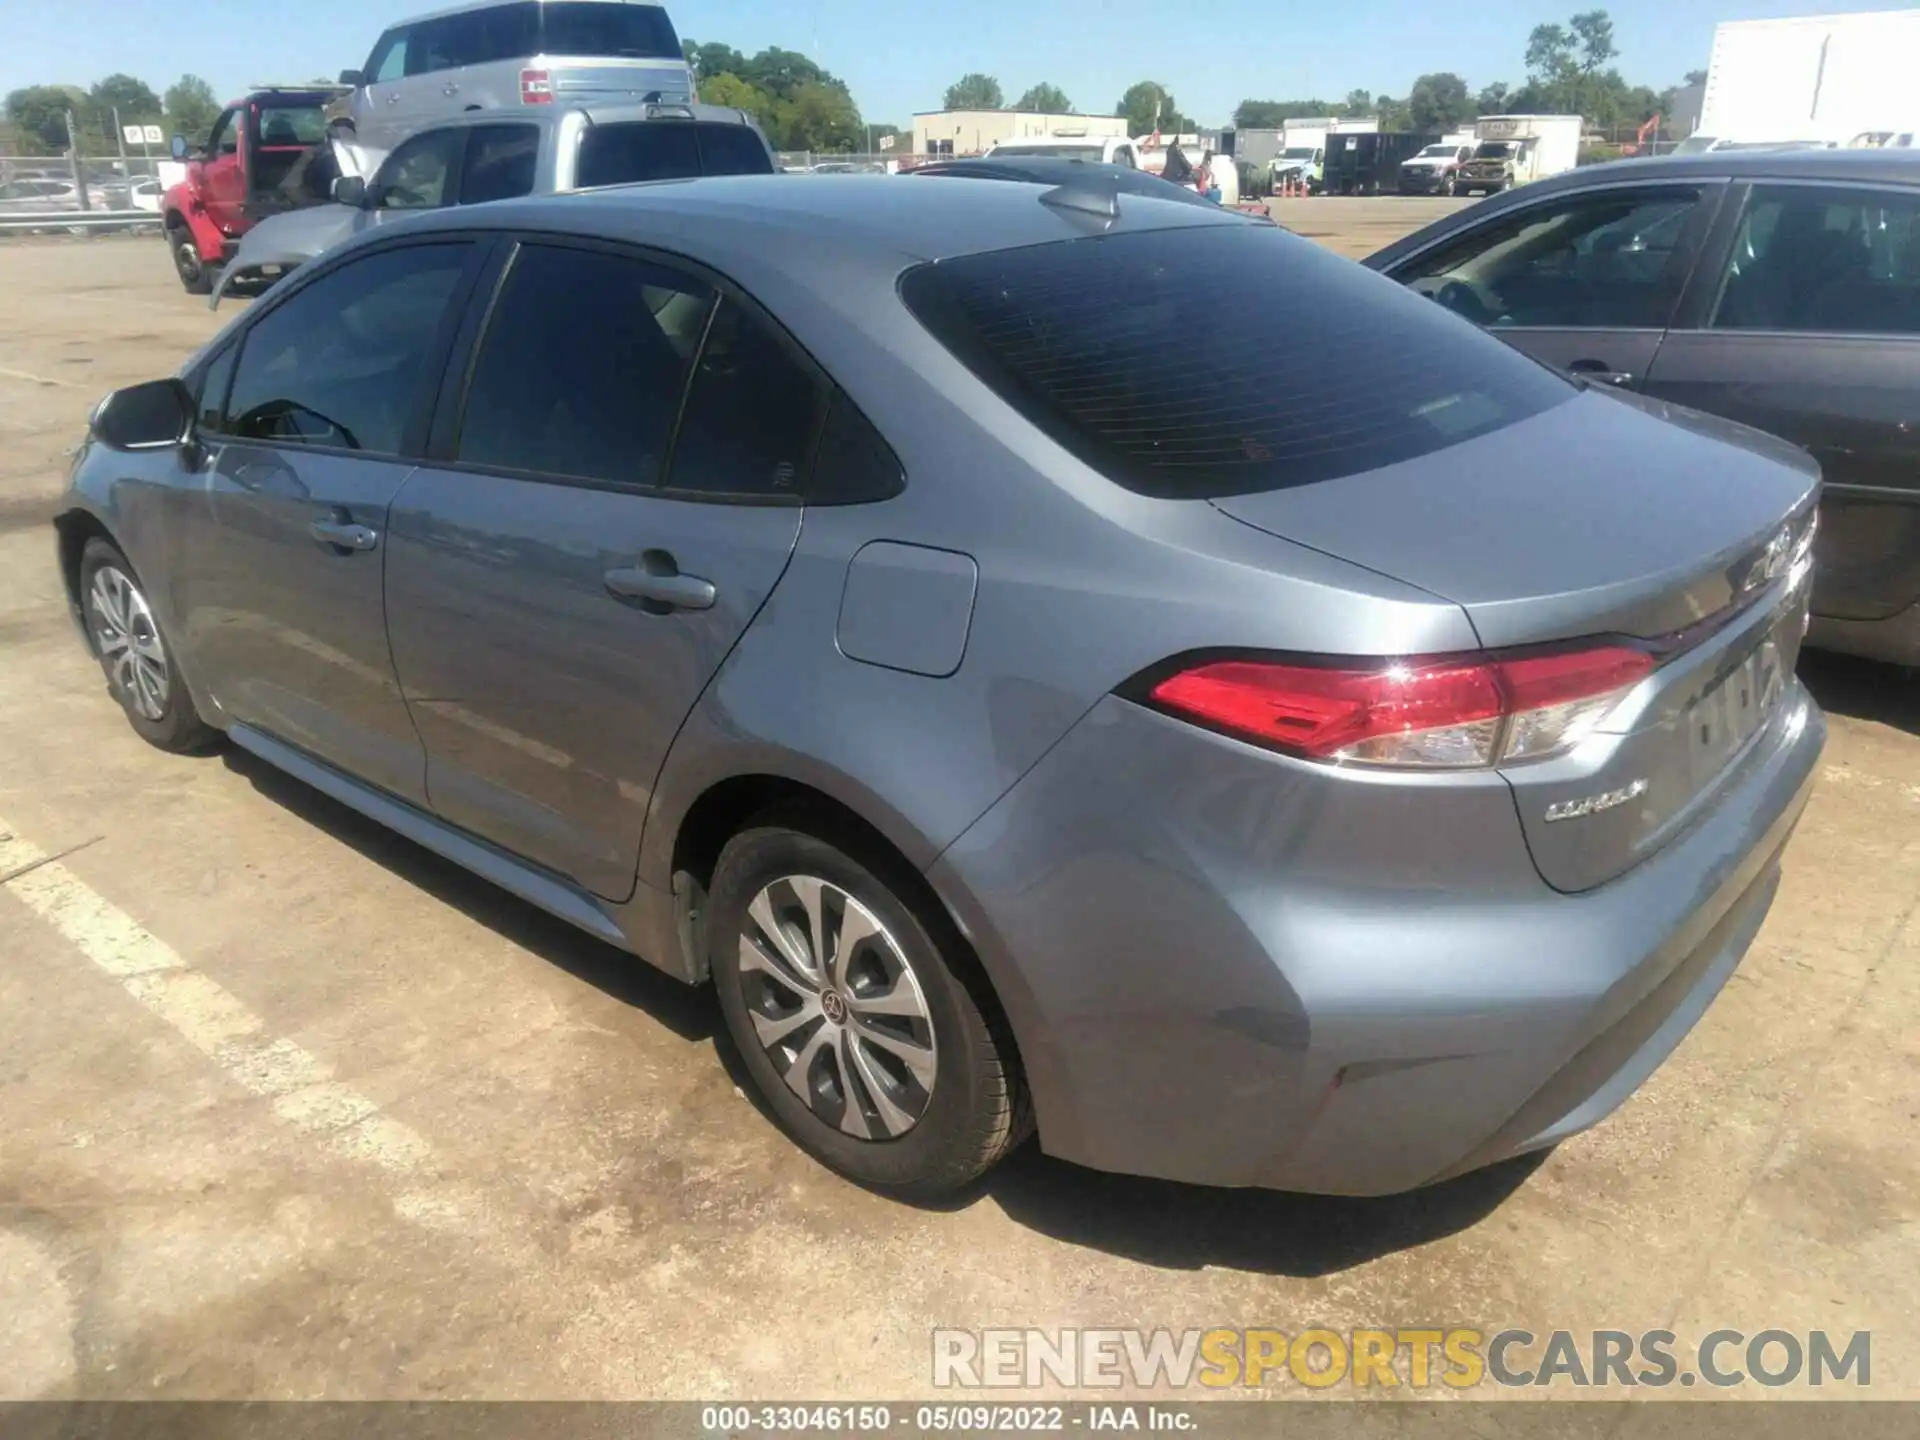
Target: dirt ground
[(290, 1108)]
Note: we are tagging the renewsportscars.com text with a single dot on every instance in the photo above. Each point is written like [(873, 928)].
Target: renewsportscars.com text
[(1448, 1357)]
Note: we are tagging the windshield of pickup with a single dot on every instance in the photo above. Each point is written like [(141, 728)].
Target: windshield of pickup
[(1493, 150), (1064, 152), (1436, 152), (1297, 152)]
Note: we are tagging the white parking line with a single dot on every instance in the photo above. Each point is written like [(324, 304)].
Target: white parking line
[(206, 1015)]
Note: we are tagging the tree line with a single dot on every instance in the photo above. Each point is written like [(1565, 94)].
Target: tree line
[(798, 105), (37, 114), (1568, 72)]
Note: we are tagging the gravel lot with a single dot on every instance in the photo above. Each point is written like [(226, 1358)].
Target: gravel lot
[(518, 1166)]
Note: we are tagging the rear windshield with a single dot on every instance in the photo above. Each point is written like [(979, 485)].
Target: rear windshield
[(622, 154), (1222, 360), (598, 27), (288, 125)]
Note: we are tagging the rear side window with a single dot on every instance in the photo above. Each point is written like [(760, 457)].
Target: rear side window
[(1130, 351), (500, 162), (632, 32), (668, 150), (582, 367), (751, 414)]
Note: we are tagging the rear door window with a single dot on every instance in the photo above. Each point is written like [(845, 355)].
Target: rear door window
[(1316, 369), (751, 414), (1828, 260), (583, 365), (624, 154), (584, 27)]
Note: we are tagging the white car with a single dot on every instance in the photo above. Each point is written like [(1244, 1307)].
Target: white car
[(1106, 149)]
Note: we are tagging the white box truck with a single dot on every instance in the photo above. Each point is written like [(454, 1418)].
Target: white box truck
[(1516, 149), (1302, 156), (1823, 78)]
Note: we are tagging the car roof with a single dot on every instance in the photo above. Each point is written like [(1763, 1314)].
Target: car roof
[(493, 5), (1878, 167), (861, 218)]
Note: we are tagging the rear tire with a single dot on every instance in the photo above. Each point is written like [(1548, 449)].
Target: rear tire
[(188, 263), (888, 1061), (134, 653)]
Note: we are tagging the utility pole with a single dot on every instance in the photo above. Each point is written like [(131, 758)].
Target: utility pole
[(73, 162), (120, 139)]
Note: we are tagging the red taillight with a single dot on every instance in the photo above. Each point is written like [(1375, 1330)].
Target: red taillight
[(536, 88), (1443, 712)]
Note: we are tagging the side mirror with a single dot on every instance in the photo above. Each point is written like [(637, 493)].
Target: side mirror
[(178, 147), (353, 78), (350, 190), (154, 416)]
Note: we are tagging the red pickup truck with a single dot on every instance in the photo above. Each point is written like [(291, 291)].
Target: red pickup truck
[(267, 153)]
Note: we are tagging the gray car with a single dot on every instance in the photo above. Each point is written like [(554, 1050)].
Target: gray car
[(473, 159), (1779, 288), (1329, 755)]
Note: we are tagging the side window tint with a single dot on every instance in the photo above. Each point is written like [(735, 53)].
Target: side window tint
[(225, 139), (415, 175), (582, 367), (749, 421), (435, 45), (1844, 261), (215, 378), (854, 463), (1605, 261), (389, 59), (344, 362), (638, 150), (500, 162)]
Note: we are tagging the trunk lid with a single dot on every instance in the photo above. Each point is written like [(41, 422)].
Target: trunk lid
[(1607, 515)]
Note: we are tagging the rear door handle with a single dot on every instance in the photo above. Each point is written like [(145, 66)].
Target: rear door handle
[(1597, 371), (656, 582), (342, 532), (449, 89)]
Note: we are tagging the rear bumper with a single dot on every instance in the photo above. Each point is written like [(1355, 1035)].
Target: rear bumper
[(1895, 639), (1226, 968)]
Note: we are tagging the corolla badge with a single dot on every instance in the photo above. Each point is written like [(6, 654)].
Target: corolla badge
[(1594, 804)]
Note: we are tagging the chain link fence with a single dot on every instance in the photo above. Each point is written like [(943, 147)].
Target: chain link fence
[(52, 193)]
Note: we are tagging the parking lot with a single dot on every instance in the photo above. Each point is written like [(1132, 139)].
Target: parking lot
[(495, 1158)]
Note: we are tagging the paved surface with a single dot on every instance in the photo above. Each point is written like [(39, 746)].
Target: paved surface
[(290, 1108)]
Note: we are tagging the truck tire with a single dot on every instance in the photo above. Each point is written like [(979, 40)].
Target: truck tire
[(195, 278)]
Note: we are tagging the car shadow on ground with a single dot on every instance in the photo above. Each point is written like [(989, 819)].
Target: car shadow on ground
[(688, 1012), (1155, 1222), (1863, 689)]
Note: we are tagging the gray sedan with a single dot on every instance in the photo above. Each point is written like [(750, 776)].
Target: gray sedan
[(1330, 755)]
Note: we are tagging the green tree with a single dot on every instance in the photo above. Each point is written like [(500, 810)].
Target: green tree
[(820, 116), (1493, 100), (39, 114), (1358, 102), (974, 92), (711, 59), (1149, 104), (1393, 113), (1045, 99), (1271, 114), (729, 89), (782, 72), (1439, 102), (1695, 77), (191, 107), (132, 99)]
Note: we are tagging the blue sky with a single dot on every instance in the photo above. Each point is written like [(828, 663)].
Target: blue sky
[(1211, 54)]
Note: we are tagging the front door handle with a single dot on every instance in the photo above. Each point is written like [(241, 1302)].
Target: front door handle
[(1597, 371), (449, 89), (656, 582), (341, 532)]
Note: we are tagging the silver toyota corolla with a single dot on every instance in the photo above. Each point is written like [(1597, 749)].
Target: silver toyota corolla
[(1302, 743)]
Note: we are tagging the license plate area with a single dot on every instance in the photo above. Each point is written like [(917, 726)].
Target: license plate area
[(1721, 722)]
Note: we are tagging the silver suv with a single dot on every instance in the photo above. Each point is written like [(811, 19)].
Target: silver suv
[(493, 55)]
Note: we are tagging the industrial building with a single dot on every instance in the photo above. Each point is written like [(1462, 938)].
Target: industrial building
[(972, 132)]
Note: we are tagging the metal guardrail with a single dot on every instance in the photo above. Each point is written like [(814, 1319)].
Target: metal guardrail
[(16, 222)]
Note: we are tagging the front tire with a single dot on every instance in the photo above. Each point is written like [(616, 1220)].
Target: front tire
[(859, 1017), (141, 671)]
